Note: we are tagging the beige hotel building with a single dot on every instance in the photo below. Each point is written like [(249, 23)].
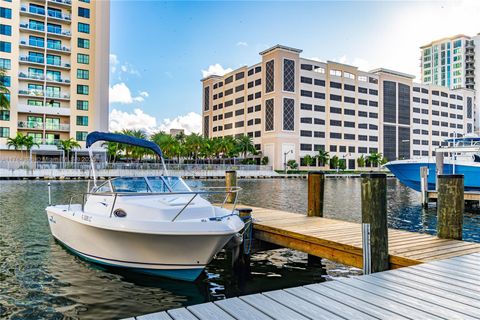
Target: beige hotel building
[(293, 107), (56, 57)]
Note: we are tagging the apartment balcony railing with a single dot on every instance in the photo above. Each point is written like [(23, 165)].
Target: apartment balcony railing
[(22, 75), (58, 31), (33, 43), (34, 10), (41, 125), (35, 93), (469, 59), (57, 95), (469, 45), (469, 82), (33, 27), (65, 2), (33, 59), (59, 15)]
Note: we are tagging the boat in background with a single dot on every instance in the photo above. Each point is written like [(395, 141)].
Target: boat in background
[(155, 225), (462, 156)]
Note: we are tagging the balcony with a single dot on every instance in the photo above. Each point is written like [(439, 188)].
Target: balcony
[(58, 65), (469, 45), (31, 93), (31, 77), (44, 110), (33, 27), (66, 3), (57, 96), (469, 82), (36, 125), (59, 32), (469, 59), (59, 16), (32, 59), (32, 11), (62, 49)]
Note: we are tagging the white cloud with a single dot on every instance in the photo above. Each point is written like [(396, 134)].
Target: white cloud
[(360, 63), (139, 120), (120, 93), (215, 69), (242, 44), (191, 122), (113, 62)]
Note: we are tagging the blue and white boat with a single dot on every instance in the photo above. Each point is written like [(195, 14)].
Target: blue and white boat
[(462, 156), (155, 224)]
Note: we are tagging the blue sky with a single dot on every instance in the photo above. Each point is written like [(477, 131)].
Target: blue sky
[(159, 49)]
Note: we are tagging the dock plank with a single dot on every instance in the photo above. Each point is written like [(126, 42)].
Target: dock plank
[(302, 306), (155, 316), (209, 311), (271, 307), (241, 310), (181, 314)]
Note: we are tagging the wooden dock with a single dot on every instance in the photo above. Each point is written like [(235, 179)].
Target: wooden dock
[(444, 289), (341, 241)]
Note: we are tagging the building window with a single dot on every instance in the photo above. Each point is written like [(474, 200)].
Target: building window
[(269, 115), (389, 142), (5, 64), (82, 105), (4, 132), (389, 102), (83, 12), (5, 46), (5, 13), (83, 74), (288, 75), (5, 29), (83, 27), (82, 121), (82, 89), (83, 43), (206, 98), (5, 80), (51, 43), (269, 76), (206, 126), (403, 107), (288, 114), (469, 108), (4, 115), (83, 58), (81, 135)]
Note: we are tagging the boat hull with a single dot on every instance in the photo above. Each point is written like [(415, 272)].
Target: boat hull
[(408, 172), (181, 257)]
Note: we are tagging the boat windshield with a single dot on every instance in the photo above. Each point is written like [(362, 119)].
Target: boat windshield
[(145, 184), (162, 184)]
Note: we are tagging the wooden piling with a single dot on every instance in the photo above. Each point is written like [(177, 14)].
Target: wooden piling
[(230, 182), (424, 186), (374, 212), (439, 160), (316, 190), (450, 206)]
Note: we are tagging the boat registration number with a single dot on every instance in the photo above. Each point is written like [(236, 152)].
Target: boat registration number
[(86, 218)]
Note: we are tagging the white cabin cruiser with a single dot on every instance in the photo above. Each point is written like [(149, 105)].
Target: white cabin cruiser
[(155, 225)]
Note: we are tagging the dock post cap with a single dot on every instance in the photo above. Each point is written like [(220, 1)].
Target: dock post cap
[(316, 172), (455, 176), (373, 175)]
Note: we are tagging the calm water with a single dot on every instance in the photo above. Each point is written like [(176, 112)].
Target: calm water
[(41, 280)]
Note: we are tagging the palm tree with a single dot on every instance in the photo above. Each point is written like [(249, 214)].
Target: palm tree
[(308, 160), (374, 158), (68, 145), (361, 161), (18, 142), (193, 143), (135, 152), (323, 157), (4, 92), (334, 162), (244, 145), (113, 150)]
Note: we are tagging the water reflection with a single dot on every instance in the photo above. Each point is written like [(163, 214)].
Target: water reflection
[(39, 279)]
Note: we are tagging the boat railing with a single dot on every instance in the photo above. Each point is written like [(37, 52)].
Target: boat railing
[(205, 191)]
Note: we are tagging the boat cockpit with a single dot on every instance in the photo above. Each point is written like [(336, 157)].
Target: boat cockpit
[(151, 184)]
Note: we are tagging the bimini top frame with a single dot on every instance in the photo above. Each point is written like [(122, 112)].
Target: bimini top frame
[(124, 139)]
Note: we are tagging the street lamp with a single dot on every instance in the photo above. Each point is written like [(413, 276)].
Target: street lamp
[(343, 157), (285, 160)]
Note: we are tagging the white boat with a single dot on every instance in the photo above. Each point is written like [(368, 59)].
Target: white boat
[(155, 225)]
